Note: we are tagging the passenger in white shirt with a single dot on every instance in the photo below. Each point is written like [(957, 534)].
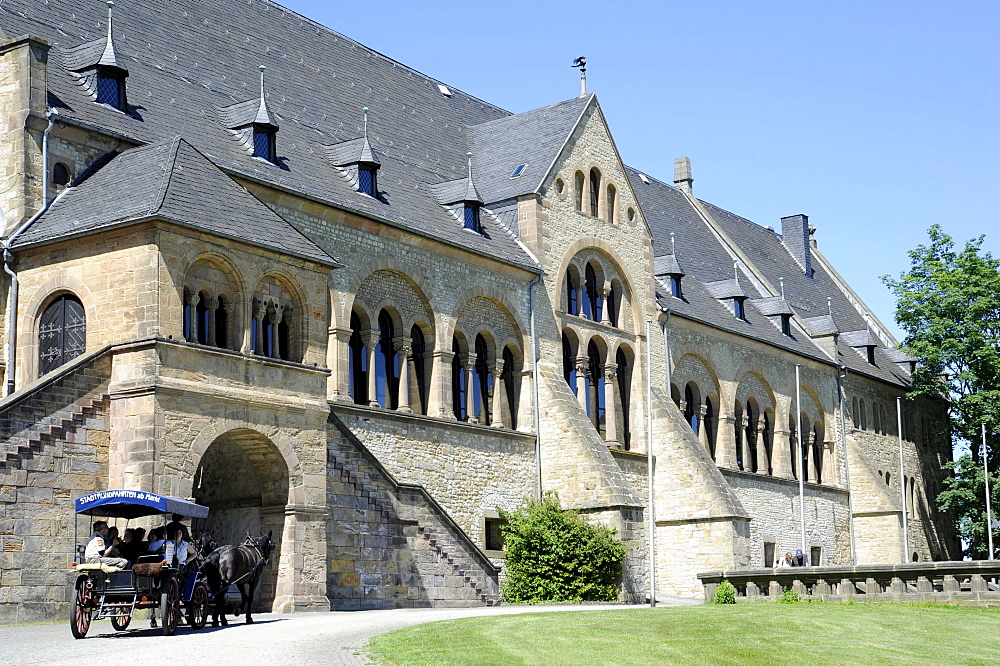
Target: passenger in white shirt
[(98, 551)]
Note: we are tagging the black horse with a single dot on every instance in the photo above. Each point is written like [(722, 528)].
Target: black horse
[(240, 565)]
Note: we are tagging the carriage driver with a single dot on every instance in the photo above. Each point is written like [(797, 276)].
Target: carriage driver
[(98, 551)]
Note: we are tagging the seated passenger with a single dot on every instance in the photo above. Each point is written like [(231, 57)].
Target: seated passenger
[(156, 540), (99, 552)]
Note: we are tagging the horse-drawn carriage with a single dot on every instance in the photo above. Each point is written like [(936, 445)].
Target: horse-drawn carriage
[(101, 591)]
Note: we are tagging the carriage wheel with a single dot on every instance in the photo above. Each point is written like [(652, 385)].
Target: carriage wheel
[(79, 620), (170, 607), (198, 608), (121, 619)]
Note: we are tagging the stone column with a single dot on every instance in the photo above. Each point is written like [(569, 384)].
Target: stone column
[(604, 291), (441, 400), (371, 342), (811, 457), (275, 318), (725, 446), (192, 301), (702, 430), (338, 359), (499, 393), (230, 311), (404, 348), (258, 344), (579, 298), (779, 454), (582, 394), (470, 393), (610, 415), (211, 305), (757, 444), (744, 442)]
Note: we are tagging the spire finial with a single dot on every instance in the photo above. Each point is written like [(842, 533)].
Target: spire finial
[(469, 157), (365, 111), (673, 247), (829, 305), (110, 5), (781, 281), (581, 63), (736, 269), (262, 68)]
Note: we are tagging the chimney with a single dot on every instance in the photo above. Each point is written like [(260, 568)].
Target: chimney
[(682, 173), (795, 237)]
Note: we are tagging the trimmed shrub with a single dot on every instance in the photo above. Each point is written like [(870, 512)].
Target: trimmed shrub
[(789, 596), (557, 555), (725, 593)]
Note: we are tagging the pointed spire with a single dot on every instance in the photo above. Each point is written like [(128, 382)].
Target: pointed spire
[(471, 194), (108, 57), (367, 153), (263, 116)]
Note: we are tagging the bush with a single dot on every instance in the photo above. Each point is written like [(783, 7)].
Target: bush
[(556, 555), (725, 593), (789, 596)]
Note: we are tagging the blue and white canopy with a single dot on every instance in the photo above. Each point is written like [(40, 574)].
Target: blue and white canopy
[(135, 504)]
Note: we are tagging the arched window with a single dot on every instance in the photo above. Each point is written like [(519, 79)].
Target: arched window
[(270, 331), (738, 430), (876, 419), (768, 437), (864, 416), (483, 382), (612, 198), (283, 336), (752, 414), (201, 334), (221, 325), (614, 301), (509, 386), (419, 348), (595, 388), (624, 377), (595, 191), (386, 363), (61, 175), (592, 299), (578, 182), (806, 447), (793, 445), (572, 295), (357, 363), (711, 428), (691, 409), (458, 381), (817, 451), (189, 317), (855, 413), (62, 333), (675, 395), (569, 363)]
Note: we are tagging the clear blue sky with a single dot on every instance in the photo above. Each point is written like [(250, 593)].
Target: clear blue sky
[(876, 119)]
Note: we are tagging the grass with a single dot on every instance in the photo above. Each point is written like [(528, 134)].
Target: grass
[(757, 633)]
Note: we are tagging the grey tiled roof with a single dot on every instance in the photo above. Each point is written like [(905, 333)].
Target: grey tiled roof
[(174, 182), (772, 306), (353, 151), (726, 289), (821, 325), (862, 338), (190, 58), (667, 264)]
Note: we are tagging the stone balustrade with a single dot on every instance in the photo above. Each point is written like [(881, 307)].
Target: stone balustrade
[(971, 582)]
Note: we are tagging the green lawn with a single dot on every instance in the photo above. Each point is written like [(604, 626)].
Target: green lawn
[(760, 633)]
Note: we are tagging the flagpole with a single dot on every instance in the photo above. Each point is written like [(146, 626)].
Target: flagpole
[(902, 479), (989, 515), (801, 462)]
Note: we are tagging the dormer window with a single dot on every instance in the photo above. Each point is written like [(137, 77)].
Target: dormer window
[(675, 286), (367, 180), (871, 355), (786, 325), (111, 89), (472, 217), (739, 309), (264, 144)]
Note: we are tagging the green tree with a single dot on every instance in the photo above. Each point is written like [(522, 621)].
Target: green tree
[(557, 555), (948, 303)]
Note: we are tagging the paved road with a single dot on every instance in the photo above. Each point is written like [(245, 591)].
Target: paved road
[(312, 638)]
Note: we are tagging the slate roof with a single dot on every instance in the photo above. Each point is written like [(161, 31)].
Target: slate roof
[(174, 182), (202, 56), (667, 264)]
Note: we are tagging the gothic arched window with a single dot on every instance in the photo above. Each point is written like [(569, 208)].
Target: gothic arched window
[(458, 381), (386, 363), (578, 182), (595, 387), (221, 325), (612, 197), (482, 382), (509, 386), (625, 391), (203, 316), (595, 191), (419, 348), (592, 298), (62, 333), (569, 363)]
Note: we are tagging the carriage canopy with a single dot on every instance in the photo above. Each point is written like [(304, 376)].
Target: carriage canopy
[(136, 504)]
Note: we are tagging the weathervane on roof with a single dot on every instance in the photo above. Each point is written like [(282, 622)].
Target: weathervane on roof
[(581, 63)]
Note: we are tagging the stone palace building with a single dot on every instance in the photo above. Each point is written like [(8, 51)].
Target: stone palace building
[(250, 261)]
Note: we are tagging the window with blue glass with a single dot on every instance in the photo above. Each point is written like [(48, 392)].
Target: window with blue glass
[(357, 363), (457, 382), (675, 286), (386, 364), (203, 316), (367, 183), (569, 363), (111, 90), (482, 382), (739, 309), (472, 218), (595, 388), (573, 302), (263, 143), (592, 300)]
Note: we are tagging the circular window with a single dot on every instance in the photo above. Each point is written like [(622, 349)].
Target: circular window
[(631, 214)]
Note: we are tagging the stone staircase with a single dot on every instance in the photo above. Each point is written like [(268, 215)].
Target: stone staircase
[(41, 417), (442, 550)]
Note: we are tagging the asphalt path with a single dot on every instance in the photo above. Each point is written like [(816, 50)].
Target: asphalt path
[(307, 638)]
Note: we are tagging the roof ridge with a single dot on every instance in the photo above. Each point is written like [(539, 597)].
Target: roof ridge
[(524, 113), (168, 175), (555, 158)]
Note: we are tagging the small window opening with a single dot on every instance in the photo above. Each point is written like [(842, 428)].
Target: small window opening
[(595, 191), (61, 175), (263, 143), (111, 90), (739, 309), (871, 355), (769, 560), (816, 556), (472, 218), (367, 181), (675, 287), (494, 534), (786, 325), (518, 170)]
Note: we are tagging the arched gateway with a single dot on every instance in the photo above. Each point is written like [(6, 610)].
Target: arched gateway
[(244, 480)]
